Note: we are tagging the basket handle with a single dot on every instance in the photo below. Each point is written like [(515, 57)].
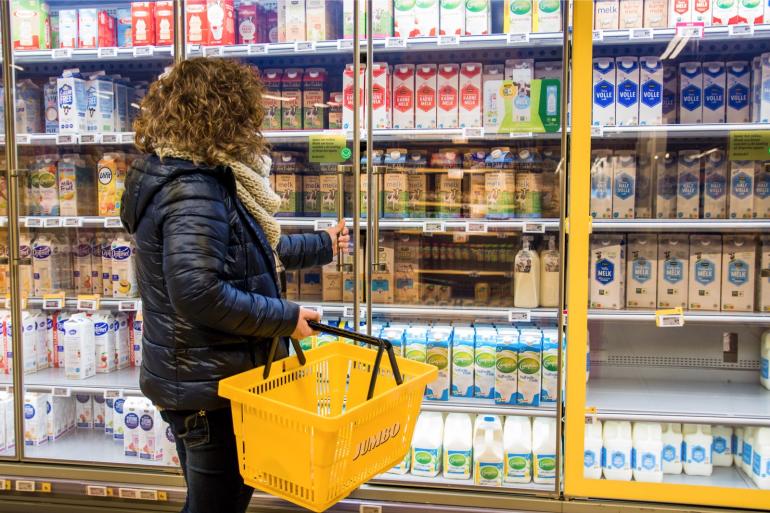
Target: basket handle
[(382, 346)]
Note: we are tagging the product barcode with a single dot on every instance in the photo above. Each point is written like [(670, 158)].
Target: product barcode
[(519, 316)]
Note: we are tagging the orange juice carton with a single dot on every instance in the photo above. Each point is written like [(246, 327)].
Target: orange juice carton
[(381, 112), (72, 104), (221, 22), (100, 96), (142, 23), (68, 28), (448, 82), (123, 270), (122, 340), (79, 347), (133, 408), (680, 11), (322, 20), (99, 411), (123, 24), (348, 96), (104, 340), (151, 433), (170, 456), (606, 16), (84, 411), (739, 254), (35, 424), (470, 85), (197, 22), (164, 23), (656, 13), (452, 17), (111, 172), (335, 110), (403, 96), (272, 103), (314, 98), (291, 93), (425, 96), (118, 418), (30, 25), (41, 340)]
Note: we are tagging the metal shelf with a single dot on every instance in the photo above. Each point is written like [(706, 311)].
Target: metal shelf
[(689, 316), (687, 225), (457, 135), (61, 55), (445, 313), (88, 138), (678, 130), (705, 402), (527, 225), (457, 484), (107, 303), (486, 407), (631, 36), (125, 380)]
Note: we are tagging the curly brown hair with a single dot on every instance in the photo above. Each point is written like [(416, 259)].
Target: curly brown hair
[(204, 107)]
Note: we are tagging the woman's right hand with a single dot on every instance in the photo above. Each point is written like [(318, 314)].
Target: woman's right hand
[(302, 330)]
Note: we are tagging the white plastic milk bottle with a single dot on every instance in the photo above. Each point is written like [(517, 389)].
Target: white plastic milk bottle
[(426, 444), (697, 450), (549, 274), (517, 445), (488, 450), (544, 450), (592, 451), (458, 446), (761, 466), (764, 358), (617, 450), (747, 453), (738, 446), (648, 449), (722, 448), (672, 448), (526, 277)]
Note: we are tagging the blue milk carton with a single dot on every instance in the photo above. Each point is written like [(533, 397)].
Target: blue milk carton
[(550, 366), (506, 366), (529, 367), (463, 358), (72, 102), (394, 335), (484, 368), (415, 343), (438, 354)]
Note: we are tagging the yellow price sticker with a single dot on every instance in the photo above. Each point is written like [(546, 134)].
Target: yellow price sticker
[(162, 496), (669, 318), (53, 301), (88, 302), (45, 487)]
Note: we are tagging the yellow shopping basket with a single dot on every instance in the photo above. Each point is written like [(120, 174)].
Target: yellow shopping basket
[(314, 430)]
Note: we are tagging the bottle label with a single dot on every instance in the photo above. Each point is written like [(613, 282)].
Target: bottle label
[(765, 368), (489, 474), (458, 463), (746, 452), (590, 460), (617, 460), (720, 445), (545, 466), (645, 461), (518, 465), (425, 460)]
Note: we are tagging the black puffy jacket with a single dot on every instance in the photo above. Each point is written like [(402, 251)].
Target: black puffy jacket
[(208, 281)]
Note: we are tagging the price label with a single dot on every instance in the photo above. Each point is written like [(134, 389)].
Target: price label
[(5, 484), (33, 222), (98, 491), (23, 139), (598, 35), (61, 392), (740, 30), (448, 40), (316, 308), (323, 224), (344, 44), (148, 495), (689, 30), (348, 312), (433, 227), (671, 318), (395, 42), (90, 139), (52, 222), (106, 53), (520, 135), (127, 138), (591, 415), (129, 306), (110, 138), (113, 394), (473, 132), (459, 237), (143, 51), (513, 39), (212, 51), (597, 131), (72, 222), (25, 486), (112, 222), (533, 228), (193, 49), (66, 139), (128, 493), (257, 49), (476, 227), (642, 33), (304, 46), (61, 53), (455, 174), (519, 315), (53, 301), (88, 302)]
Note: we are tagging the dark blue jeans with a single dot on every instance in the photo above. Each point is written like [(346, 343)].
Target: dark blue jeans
[(209, 460)]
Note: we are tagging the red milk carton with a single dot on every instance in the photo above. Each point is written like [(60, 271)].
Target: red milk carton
[(143, 23), (164, 23)]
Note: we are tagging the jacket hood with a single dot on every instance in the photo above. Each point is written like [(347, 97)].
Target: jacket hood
[(147, 175)]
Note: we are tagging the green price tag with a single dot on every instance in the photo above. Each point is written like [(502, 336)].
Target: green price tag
[(329, 148), (749, 145)]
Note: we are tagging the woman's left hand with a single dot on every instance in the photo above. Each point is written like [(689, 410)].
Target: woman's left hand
[(340, 238)]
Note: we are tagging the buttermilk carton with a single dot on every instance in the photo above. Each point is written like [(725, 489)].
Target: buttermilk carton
[(738, 92), (741, 201), (438, 354), (705, 272), (665, 185), (403, 96), (507, 366), (633, 14), (738, 271), (463, 358), (425, 96), (604, 91), (656, 13), (484, 367), (448, 81), (642, 271), (714, 87), (688, 185), (651, 91), (673, 267), (624, 184), (627, 100), (607, 276), (529, 367), (690, 93), (715, 186)]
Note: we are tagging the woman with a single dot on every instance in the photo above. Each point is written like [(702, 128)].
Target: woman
[(209, 255)]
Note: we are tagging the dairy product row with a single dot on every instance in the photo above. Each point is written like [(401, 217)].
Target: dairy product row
[(629, 91), (491, 450), (76, 103), (689, 184), (7, 431), (476, 183), (646, 451), (670, 13), (730, 273), (133, 422), (82, 344)]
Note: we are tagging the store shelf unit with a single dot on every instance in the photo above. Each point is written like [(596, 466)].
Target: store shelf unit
[(760, 318), (681, 225), (104, 54)]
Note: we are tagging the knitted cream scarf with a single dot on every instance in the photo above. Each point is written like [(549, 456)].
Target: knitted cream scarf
[(252, 186)]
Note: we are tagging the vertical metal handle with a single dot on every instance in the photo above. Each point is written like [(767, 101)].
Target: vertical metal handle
[(356, 164), (372, 193), (180, 32), (340, 208)]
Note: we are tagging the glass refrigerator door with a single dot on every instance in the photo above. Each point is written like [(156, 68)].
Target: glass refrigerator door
[(80, 71), (676, 407)]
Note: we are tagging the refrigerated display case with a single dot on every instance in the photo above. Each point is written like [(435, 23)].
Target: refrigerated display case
[(667, 209)]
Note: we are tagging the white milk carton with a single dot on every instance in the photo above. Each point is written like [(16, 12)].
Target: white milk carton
[(99, 410), (470, 94), (738, 92), (643, 204), (132, 409), (136, 327), (170, 455), (104, 338), (416, 20), (529, 367), (651, 91), (425, 96), (100, 93), (705, 272), (627, 91), (118, 418), (607, 15), (607, 272), (670, 105), (484, 366), (381, 111), (604, 91), (123, 270), (452, 17), (43, 354), (57, 413), (348, 96), (35, 425), (688, 185), (438, 354), (714, 86), (448, 83), (739, 254), (690, 92), (751, 13), (764, 276), (642, 272), (477, 17), (521, 72), (518, 17), (656, 13), (715, 186), (550, 366), (673, 266), (701, 12), (762, 191), (122, 340), (680, 11), (68, 28), (547, 16), (109, 416), (72, 103), (415, 343), (624, 184), (29, 342), (79, 347), (602, 174), (507, 367), (724, 12), (151, 433), (764, 109), (741, 202), (403, 96), (463, 359), (756, 88), (84, 411)]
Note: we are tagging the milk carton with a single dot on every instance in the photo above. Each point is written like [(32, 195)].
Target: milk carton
[(79, 347), (604, 91), (170, 456), (642, 272), (673, 267), (51, 110), (724, 12), (68, 28), (348, 96), (518, 17), (751, 13), (691, 92), (98, 403), (415, 343), (764, 88), (714, 85), (403, 96), (701, 12), (381, 110), (118, 418), (452, 16), (425, 96), (705, 272), (680, 11), (42, 356), (123, 271), (438, 354), (477, 17), (123, 27), (470, 94), (484, 370), (151, 433), (404, 19), (602, 175), (651, 91), (688, 185), (607, 274), (57, 412), (529, 367), (105, 249), (715, 186), (627, 100), (738, 271), (221, 21), (741, 202), (762, 191), (291, 92), (35, 425), (656, 13), (100, 95), (132, 409), (507, 366), (88, 28), (547, 16), (550, 366), (29, 342), (624, 184), (463, 358), (606, 16), (416, 19), (666, 185), (84, 411), (643, 203), (30, 27), (738, 92), (104, 339), (72, 104), (670, 93), (313, 98), (521, 72), (448, 95)]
